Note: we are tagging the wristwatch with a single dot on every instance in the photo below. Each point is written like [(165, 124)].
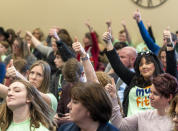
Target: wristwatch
[(85, 58)]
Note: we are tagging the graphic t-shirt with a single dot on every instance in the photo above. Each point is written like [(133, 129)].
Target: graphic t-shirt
[(24, 126), (139, 100)]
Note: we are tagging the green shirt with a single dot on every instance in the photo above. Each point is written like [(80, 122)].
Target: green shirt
[(24, 126), (53, 101), (138, 100), (129, 44), (141, 47)]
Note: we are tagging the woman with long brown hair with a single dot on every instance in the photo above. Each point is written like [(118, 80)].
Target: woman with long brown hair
[(20, 49), (25, 109)]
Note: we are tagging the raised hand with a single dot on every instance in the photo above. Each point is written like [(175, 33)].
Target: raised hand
[(108, 23), (167, 37), (148, 24), (18, 32), (89, 26), (123, 23), (28, 33), (137, 15), (107, 36), (11, 71), (78, 47), (53, 33), (111, 89)]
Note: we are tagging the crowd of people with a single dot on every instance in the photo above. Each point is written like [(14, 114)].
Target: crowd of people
[(61, 84)]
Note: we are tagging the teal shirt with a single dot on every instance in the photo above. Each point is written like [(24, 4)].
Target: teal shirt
[(139, 100), (24, 126)]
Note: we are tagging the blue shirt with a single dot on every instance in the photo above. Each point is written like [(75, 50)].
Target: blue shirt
[(2, 72), (73, 127)]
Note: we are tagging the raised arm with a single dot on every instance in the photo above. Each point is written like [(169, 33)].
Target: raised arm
[(12, 72), (171, 63), (45, 50), (64, 50), (124, 73), (145, 35), (127, 33), (95, 47), (88, 68), (150, 31), (109, 23), (124, 124)]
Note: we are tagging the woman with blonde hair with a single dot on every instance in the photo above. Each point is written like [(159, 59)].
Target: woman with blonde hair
[(104, 79), (25, 109)]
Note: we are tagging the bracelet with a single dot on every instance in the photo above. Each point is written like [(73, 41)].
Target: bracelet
[(85, 58)]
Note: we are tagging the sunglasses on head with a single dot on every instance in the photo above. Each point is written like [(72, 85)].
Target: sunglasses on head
[(147, 52)]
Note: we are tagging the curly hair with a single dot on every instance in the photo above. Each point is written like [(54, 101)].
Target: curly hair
[(166, 85), (103, 78)]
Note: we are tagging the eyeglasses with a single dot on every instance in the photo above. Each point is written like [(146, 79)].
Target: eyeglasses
[(147, 52)]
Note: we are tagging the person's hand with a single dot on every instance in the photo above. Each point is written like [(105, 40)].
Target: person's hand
[(18, 32), (123, 23), (107, 37), (137, 15), (167, 37), (57, 29), (111, 89), (148, 24), (53, 33), (65, 117), (28, 33), (108, 23), (89, 26), (78, 48), (11, 71)]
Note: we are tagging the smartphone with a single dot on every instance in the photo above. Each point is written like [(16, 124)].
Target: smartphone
[(61, 115)]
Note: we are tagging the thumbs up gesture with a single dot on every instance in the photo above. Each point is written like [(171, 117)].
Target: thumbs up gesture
[(53, 33), (167, 38), (11, 71), (137, 15), (111, 88), (107, 36), (78, 48)]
